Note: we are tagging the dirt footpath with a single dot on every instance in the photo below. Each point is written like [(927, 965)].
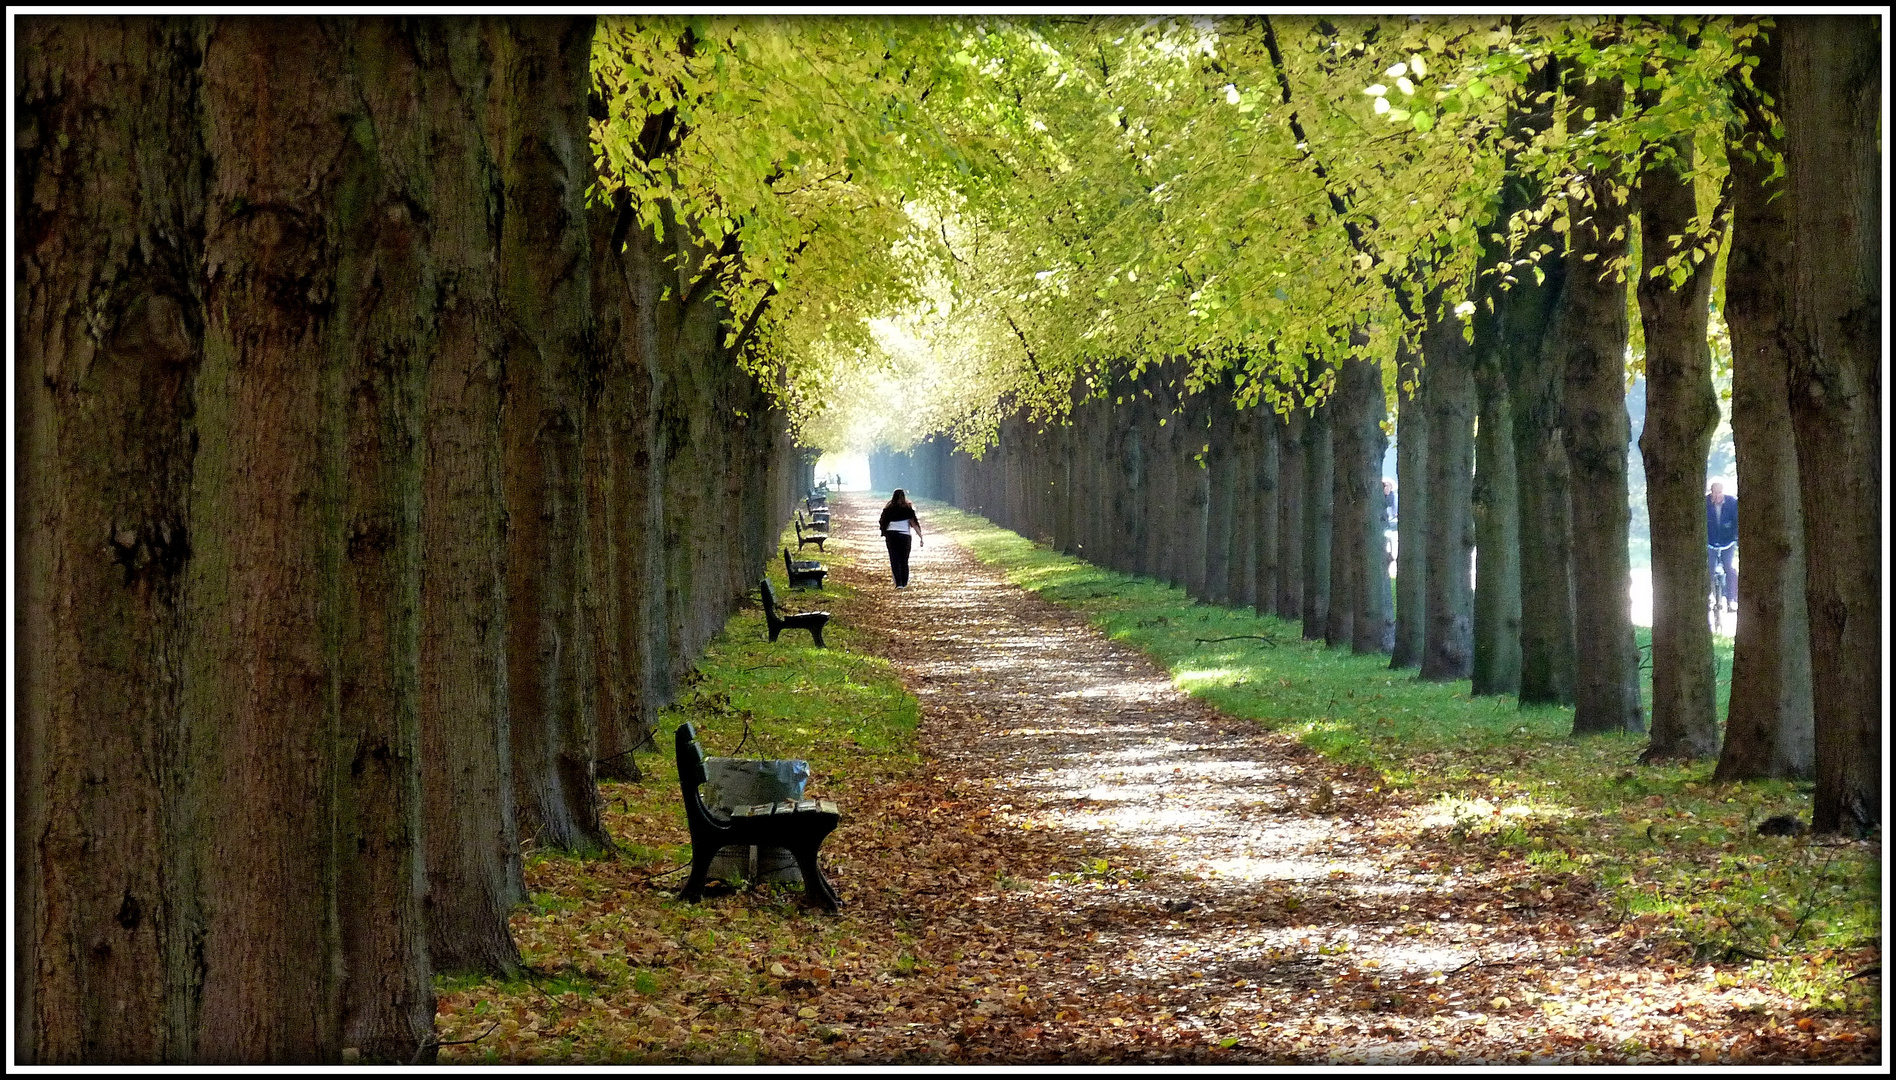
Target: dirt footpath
[(1115, 872)]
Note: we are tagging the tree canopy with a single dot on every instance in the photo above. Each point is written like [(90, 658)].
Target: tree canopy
[(919, 224)]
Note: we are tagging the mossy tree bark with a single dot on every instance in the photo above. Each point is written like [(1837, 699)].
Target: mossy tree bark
[(1449, 399), (1681, 414), (1769, 725), (106, 895), (1832, 92), (1317, 507), (1291, 486), (1593, 358), (544, 161), (1496, 666), (1267, 564)]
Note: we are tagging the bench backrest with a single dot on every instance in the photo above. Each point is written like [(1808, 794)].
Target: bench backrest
[(691, 770), (771, 618)]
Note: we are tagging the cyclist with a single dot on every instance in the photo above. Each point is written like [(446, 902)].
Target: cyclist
[(1721, 539)]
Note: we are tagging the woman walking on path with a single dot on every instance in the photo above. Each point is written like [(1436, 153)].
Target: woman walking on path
[(898, 522)]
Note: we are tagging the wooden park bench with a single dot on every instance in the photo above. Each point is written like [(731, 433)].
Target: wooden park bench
[(816, 502), (809, 536), (803, 574), (813, 621), (799, 825)]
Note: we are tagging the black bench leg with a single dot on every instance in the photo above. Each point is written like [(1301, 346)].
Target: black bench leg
[(701, 856), (774, 631), (816, 632), (815, 885)]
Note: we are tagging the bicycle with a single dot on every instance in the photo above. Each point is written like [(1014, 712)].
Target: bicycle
[(1718, 603)]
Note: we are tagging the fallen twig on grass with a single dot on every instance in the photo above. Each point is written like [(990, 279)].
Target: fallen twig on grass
[(436, 1044), (1266, 638)]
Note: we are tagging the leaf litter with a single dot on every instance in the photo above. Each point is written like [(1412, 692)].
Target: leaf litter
[(1089, 866)]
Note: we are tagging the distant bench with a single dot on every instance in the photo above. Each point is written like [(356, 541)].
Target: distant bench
[(813, 621), (803, 574), (810, 536), (800, 825)]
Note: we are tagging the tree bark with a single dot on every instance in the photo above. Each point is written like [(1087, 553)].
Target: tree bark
[(1681, 414), (1831, 100), (106, 896), (1593, 348), (1370, 626), (1221, 489), (1291, 429), (1448, 645), (1317, 507), (1769, 725), (1161, 476), (1412, 455), (1533, 337), (544, 161), (1267, 575), (1496, 667)]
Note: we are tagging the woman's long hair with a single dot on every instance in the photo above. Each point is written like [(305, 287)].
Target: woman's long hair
[(899, 508)]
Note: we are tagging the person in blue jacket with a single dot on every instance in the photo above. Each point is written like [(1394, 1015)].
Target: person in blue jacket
[(1721, 539)]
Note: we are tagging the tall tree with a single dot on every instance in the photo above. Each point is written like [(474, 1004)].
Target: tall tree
[(1412, 454), (106, 891), (1448, 646), (1832, 93), (544, 165), (1496, 663), (1769, 726), (1681, 414), (1291, 486), (1317, 522), (1597, 431)]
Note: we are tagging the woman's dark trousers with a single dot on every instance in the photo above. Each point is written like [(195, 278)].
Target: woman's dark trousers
[(898, 555)]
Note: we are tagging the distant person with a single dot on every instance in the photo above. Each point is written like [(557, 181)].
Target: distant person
[(898, 524), (1389, 503), (1721, 539)]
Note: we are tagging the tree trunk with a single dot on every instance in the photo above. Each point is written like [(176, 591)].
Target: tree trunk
[(1290, 431), (544, 160), (1448, 646), (1161, 475), (1129, 505), (1497, 629), (1681, 413), (1317, 507), (1371, 628), (1533, 338), (1593, 346), (1830, 106), (1769, 726), (1267, 575), (1221, 488), (1346, 534), (624, 512), (1412, 455), (472, 853), (105, 893)]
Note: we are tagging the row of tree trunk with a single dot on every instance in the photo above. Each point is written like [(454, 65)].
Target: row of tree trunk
[(373, 492), (1512, 448)]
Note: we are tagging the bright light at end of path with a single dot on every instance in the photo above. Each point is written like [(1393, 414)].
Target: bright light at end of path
[(851, 466)]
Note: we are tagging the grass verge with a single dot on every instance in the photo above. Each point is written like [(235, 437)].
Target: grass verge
[(618, 970), (1675, 852)]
